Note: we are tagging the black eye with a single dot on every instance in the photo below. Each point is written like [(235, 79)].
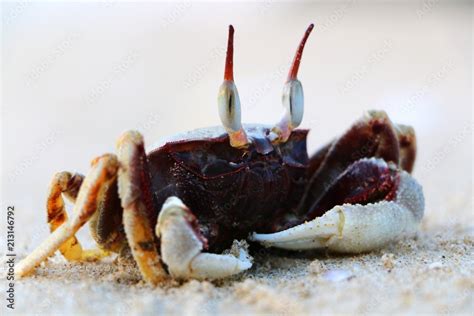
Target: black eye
[(230, 104)]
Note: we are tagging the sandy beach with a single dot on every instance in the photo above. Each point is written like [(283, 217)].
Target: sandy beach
[(429, 274)]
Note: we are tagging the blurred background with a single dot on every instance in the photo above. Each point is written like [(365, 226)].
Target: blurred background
[(76, 75)]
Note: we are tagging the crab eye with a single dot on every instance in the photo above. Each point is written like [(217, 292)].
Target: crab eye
[(228, 101), (229, 106), (293, 102), (293, 98)]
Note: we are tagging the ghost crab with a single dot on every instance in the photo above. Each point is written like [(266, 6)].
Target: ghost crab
[(204, 189)]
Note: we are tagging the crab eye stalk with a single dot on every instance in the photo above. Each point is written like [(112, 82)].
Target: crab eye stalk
[(228, 100), (292, 98)]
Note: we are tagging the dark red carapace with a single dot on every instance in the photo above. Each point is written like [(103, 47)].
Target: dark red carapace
[(234, 192)]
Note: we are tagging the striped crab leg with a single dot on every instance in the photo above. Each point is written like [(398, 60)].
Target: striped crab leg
[(138, 212), (103, 172)]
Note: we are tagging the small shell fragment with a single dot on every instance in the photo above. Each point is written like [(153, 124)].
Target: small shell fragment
[(388, 261), (435, 265), (316, 267), (337, 275)]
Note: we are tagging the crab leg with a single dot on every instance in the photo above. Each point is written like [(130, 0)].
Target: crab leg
[(135, 194), (67, 184), (354, 228), (371, 136), (64, 183), (407, 143), (102, 173), (374, 135), (182, 245), (106, 223)]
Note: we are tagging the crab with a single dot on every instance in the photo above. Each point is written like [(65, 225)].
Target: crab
[(214, 189)]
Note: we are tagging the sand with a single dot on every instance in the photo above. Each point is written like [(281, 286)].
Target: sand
[(430, 274)]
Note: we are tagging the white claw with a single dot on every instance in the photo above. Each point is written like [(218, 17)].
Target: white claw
[(181, 247), (214, 266), (356, 228), (314, 234)]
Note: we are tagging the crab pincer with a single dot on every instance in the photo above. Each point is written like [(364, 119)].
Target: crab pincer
[(365, 218)]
